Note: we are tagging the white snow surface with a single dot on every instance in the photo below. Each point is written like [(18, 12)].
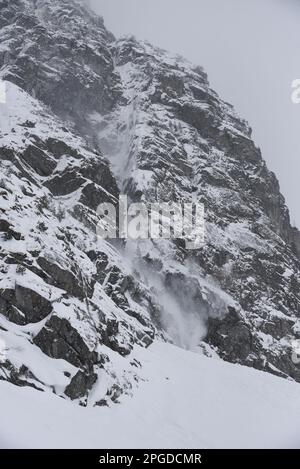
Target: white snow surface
[(184, 401)]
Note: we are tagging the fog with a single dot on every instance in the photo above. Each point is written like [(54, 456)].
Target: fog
[(250, 50)]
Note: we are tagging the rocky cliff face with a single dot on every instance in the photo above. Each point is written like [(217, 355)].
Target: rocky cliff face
[(63, 292), (87, 117)]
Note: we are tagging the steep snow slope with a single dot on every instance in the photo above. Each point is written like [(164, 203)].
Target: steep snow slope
[(184, 401)]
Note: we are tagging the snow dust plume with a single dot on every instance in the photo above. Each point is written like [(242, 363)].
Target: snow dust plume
[(183, 315)]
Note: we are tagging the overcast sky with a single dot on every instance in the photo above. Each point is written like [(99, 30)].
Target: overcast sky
[(251, 52)]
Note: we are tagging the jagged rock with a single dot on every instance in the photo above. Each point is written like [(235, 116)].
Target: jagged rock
[(232, 335), (92, 68), (100, 260), (7, 153), (39, 160), (295, 238), (114, 393), (80, 384), (59, 148), (65, 279), (59, 339), (6, 227), (22, 305), (65, 183), (19, 376), (93, 195), (110, 338), (102, 403), (278, 327)]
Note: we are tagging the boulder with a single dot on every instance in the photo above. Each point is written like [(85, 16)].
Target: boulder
[(80, 385), (39, 160), (59, 339), (22, 305)]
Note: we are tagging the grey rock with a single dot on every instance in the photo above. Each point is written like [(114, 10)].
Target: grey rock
[(58, 339), (80, 385), (65, 279), (39, 160), (23, 305)]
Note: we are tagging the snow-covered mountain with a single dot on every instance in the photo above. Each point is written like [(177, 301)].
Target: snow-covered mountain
[(87, 117)]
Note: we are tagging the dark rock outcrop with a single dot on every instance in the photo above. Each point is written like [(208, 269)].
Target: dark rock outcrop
[(80, 385), (59, 339), (22, 305)]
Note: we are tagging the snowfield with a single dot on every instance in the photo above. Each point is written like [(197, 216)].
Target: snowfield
[(185, 401)]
